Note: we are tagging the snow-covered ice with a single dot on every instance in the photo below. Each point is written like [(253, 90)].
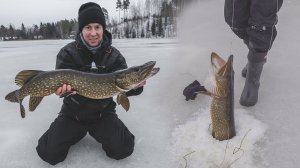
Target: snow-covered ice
[(171, 132)]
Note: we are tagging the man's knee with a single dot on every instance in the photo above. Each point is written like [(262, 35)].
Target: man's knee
[(120, 150), (261, 38), (240, 32), (238, 26), (49, 155)]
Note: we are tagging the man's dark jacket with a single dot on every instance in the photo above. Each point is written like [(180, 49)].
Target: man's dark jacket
[(77, 56)]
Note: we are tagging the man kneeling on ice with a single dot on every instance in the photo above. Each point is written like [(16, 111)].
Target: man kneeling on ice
[(80, 115)]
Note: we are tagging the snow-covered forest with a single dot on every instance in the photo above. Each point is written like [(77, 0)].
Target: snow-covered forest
[(139, 19)]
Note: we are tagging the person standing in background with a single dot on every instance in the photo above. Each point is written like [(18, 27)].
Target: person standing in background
[(254, 22)]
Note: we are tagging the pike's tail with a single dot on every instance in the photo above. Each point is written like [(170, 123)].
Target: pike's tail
[(13, 96)]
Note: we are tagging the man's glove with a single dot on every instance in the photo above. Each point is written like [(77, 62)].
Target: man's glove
[(190, 91)]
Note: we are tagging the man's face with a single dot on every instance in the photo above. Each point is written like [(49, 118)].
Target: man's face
[(92, 34)]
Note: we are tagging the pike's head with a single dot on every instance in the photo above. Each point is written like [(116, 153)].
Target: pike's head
[(220, 76), (221, 68), (133, 76)]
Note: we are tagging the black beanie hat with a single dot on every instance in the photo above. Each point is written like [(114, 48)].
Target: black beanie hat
[(90, 13)]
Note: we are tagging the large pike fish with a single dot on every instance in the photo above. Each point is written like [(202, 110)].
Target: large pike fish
[(38, 84), (220, 86)]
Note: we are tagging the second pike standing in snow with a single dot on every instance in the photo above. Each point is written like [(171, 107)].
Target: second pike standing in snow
[(220, 86)]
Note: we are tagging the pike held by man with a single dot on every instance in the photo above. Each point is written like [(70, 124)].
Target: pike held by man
[(38, 84)]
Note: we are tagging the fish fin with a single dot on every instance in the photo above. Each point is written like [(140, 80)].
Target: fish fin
[(211, 90), (13, 96), (124, 101), (118, 99), (214, 94), (25, 76), (205, 93), (208, 93), (34, 102), (210, 83), (22, 110)]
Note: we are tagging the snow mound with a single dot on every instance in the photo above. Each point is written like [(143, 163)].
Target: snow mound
[(194, 147)]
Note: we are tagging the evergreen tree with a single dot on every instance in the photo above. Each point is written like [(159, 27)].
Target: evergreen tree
[(30, 34), (3, 31), (148, 29), (11, 32), (127, 31), (153, 27), (53, 31), (125, 6), (42, 30), (119, 7), (160, 27), (23, 32), (143, 33), (48, 32), (35, 31), (133, 34)]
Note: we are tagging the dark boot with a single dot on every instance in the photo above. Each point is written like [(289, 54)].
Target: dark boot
[(244, 71), (254, 68)]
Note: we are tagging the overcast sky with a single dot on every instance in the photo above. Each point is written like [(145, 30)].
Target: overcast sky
[(31, 12)]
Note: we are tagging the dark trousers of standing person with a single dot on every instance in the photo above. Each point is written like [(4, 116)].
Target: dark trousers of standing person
[(117, 141), (254, 22)]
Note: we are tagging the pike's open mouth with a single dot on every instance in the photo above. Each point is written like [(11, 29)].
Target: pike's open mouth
[(154, 71), (148, 69)]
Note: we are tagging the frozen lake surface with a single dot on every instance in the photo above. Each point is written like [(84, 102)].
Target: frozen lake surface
[(169, 131), (146, 119)]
